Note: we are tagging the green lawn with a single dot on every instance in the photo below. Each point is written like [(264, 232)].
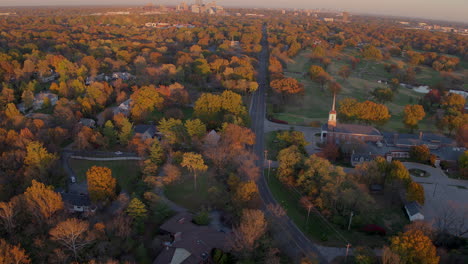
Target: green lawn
[(316, 103), (392, 218), (184, 194), (127, 172)]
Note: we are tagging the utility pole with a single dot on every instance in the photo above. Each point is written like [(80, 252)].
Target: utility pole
[(269, 167), (347, 251), (350, 219)]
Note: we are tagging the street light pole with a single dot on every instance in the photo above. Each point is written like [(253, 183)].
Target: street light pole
[(350, 219)]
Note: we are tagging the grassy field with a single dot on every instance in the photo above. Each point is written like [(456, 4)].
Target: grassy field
[(184, 194), (126, 172), (389, 216), (316, 103)]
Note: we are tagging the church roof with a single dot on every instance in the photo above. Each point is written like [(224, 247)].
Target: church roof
[(354, 129)]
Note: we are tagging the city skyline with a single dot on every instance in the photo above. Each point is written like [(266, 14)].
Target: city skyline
[(450, 10)]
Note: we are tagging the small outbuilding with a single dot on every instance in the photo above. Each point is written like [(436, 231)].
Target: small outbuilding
[(413, 209)]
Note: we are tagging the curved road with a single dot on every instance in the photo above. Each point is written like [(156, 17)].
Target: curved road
[(292, 240)]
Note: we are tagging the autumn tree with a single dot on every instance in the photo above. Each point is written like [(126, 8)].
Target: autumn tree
[(137, 210), (10, 254), (463, 164), (28, 98), (38, 160), (334, 87), (289, 160), (246, 191), (414, 247), (144, 101), (253, 226), (195, 164), (415, 192), (413, 114), (420, 153), (157, 152), (287, 87), (371, 52), (345, 72), (41, 201), (101, 184), (125, 129), (73, 234)]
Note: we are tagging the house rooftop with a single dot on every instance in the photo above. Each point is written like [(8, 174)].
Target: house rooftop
[(141, 129), (76, 199), (192, 243), (413, 208)]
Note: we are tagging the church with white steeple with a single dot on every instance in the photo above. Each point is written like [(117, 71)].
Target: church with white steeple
[(334, 132)]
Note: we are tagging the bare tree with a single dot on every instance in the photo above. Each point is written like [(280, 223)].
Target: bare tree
[(72, 234), (276, 210), (389, 257), (453, 219), (8, 211)]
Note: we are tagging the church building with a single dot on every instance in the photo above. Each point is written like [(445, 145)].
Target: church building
[(333, 132)]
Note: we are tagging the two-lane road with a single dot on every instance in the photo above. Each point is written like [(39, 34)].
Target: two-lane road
[(292, 240)]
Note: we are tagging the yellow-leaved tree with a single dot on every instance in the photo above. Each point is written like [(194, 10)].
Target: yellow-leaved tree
[(101, 184)]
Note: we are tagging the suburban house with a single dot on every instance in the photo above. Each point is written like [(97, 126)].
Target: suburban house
[(38, 101), (145, 131), (77, 203), (98, 78), (88, 122), (42, 97), (122, 75), (123, 108), (189, 243), (413, 209), (52, 77), (335, 132), (212, 138), (432, 141)]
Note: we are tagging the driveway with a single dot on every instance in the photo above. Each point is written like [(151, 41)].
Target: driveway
[(446, 199)]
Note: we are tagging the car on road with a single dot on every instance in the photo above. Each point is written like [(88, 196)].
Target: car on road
[(118, 153), (73, 179)]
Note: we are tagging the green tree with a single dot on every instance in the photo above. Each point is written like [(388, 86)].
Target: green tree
[(195, 128), (110, 133), (383, 95), (101, 184), (195, 164), (157, 152), (137, 209)]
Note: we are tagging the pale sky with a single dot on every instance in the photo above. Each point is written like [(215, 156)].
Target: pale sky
[(451, 10)]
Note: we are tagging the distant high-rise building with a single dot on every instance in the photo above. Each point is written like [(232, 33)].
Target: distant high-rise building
[(345, 17)]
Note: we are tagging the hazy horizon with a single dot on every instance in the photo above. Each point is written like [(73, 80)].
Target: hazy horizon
[(449, 10)]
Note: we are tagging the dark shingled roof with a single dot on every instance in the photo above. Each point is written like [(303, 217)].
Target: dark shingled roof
[(354, 129), (141, 129), (196, 240), (414, 139), (76, 199), (413, 208)]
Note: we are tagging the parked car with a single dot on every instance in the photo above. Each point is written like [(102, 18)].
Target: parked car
[(73, 179), (118, 153)]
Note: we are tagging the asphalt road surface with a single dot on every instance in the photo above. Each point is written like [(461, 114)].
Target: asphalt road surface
[(291, 240)]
